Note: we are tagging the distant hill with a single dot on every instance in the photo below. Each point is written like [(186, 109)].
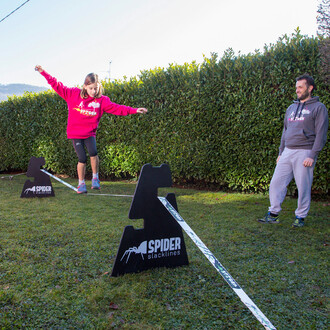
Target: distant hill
[(18, 89)]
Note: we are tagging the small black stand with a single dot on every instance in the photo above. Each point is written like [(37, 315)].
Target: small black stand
[(160, 243), (41, 186)]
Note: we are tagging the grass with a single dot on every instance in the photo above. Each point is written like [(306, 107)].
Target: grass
[(56, 256)]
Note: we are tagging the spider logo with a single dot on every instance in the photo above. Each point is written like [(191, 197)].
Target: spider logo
[(142, 249), (33, 189)]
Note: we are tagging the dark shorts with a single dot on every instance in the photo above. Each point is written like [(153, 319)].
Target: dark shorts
[(79, 147)]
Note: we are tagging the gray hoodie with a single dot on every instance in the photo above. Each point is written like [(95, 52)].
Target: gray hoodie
[(305, 126)]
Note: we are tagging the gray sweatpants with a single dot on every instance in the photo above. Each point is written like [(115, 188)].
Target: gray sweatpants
[(288, 167)]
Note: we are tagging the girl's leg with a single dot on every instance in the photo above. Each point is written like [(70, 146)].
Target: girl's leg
[(91, 147), (79, 148), (81, 170), (95, 164)]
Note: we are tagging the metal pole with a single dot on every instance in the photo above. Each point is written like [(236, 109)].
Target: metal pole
[(110, 70)]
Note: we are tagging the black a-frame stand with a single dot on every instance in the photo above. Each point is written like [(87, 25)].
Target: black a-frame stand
[(41, 186), (160, 243)]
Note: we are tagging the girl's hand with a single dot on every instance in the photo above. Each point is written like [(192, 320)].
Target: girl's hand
[(142, 110), (39, 68)]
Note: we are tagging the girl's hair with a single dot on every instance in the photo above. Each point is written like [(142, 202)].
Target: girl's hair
[(91, 78)]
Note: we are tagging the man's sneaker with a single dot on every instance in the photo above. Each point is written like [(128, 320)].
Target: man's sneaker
[(96, 184), (299, 222), (269, 219), (82, 189)]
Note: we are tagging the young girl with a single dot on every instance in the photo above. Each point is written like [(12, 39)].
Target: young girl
[(85, 109)]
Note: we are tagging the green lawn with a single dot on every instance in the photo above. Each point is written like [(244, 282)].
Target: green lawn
[(56, 256)]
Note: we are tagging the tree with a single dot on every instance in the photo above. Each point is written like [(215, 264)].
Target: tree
[(323, 18), (323, 21)]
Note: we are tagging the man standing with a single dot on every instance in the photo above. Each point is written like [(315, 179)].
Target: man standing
[(303, 137)]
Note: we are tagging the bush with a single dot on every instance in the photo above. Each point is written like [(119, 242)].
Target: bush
[(218, 122), (120, 161)]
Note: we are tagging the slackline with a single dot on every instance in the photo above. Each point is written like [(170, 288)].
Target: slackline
[(218, 266), (75, 189), (10, 177)]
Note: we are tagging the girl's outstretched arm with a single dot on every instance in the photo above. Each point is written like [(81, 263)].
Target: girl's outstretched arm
[(58, 87)]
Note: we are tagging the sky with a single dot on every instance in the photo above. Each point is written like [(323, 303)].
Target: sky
[(117, 38)]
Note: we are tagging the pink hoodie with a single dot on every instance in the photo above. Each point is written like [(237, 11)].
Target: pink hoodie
[(84, 115)]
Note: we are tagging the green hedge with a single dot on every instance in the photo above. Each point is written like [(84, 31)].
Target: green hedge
[(217, 122)]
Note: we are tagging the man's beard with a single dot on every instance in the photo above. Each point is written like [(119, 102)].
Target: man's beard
[(304, 96)]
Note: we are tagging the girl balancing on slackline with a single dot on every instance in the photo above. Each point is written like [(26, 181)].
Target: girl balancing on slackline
[(85, 109)]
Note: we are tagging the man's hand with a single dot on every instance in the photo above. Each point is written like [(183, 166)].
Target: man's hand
[(308, 162)]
